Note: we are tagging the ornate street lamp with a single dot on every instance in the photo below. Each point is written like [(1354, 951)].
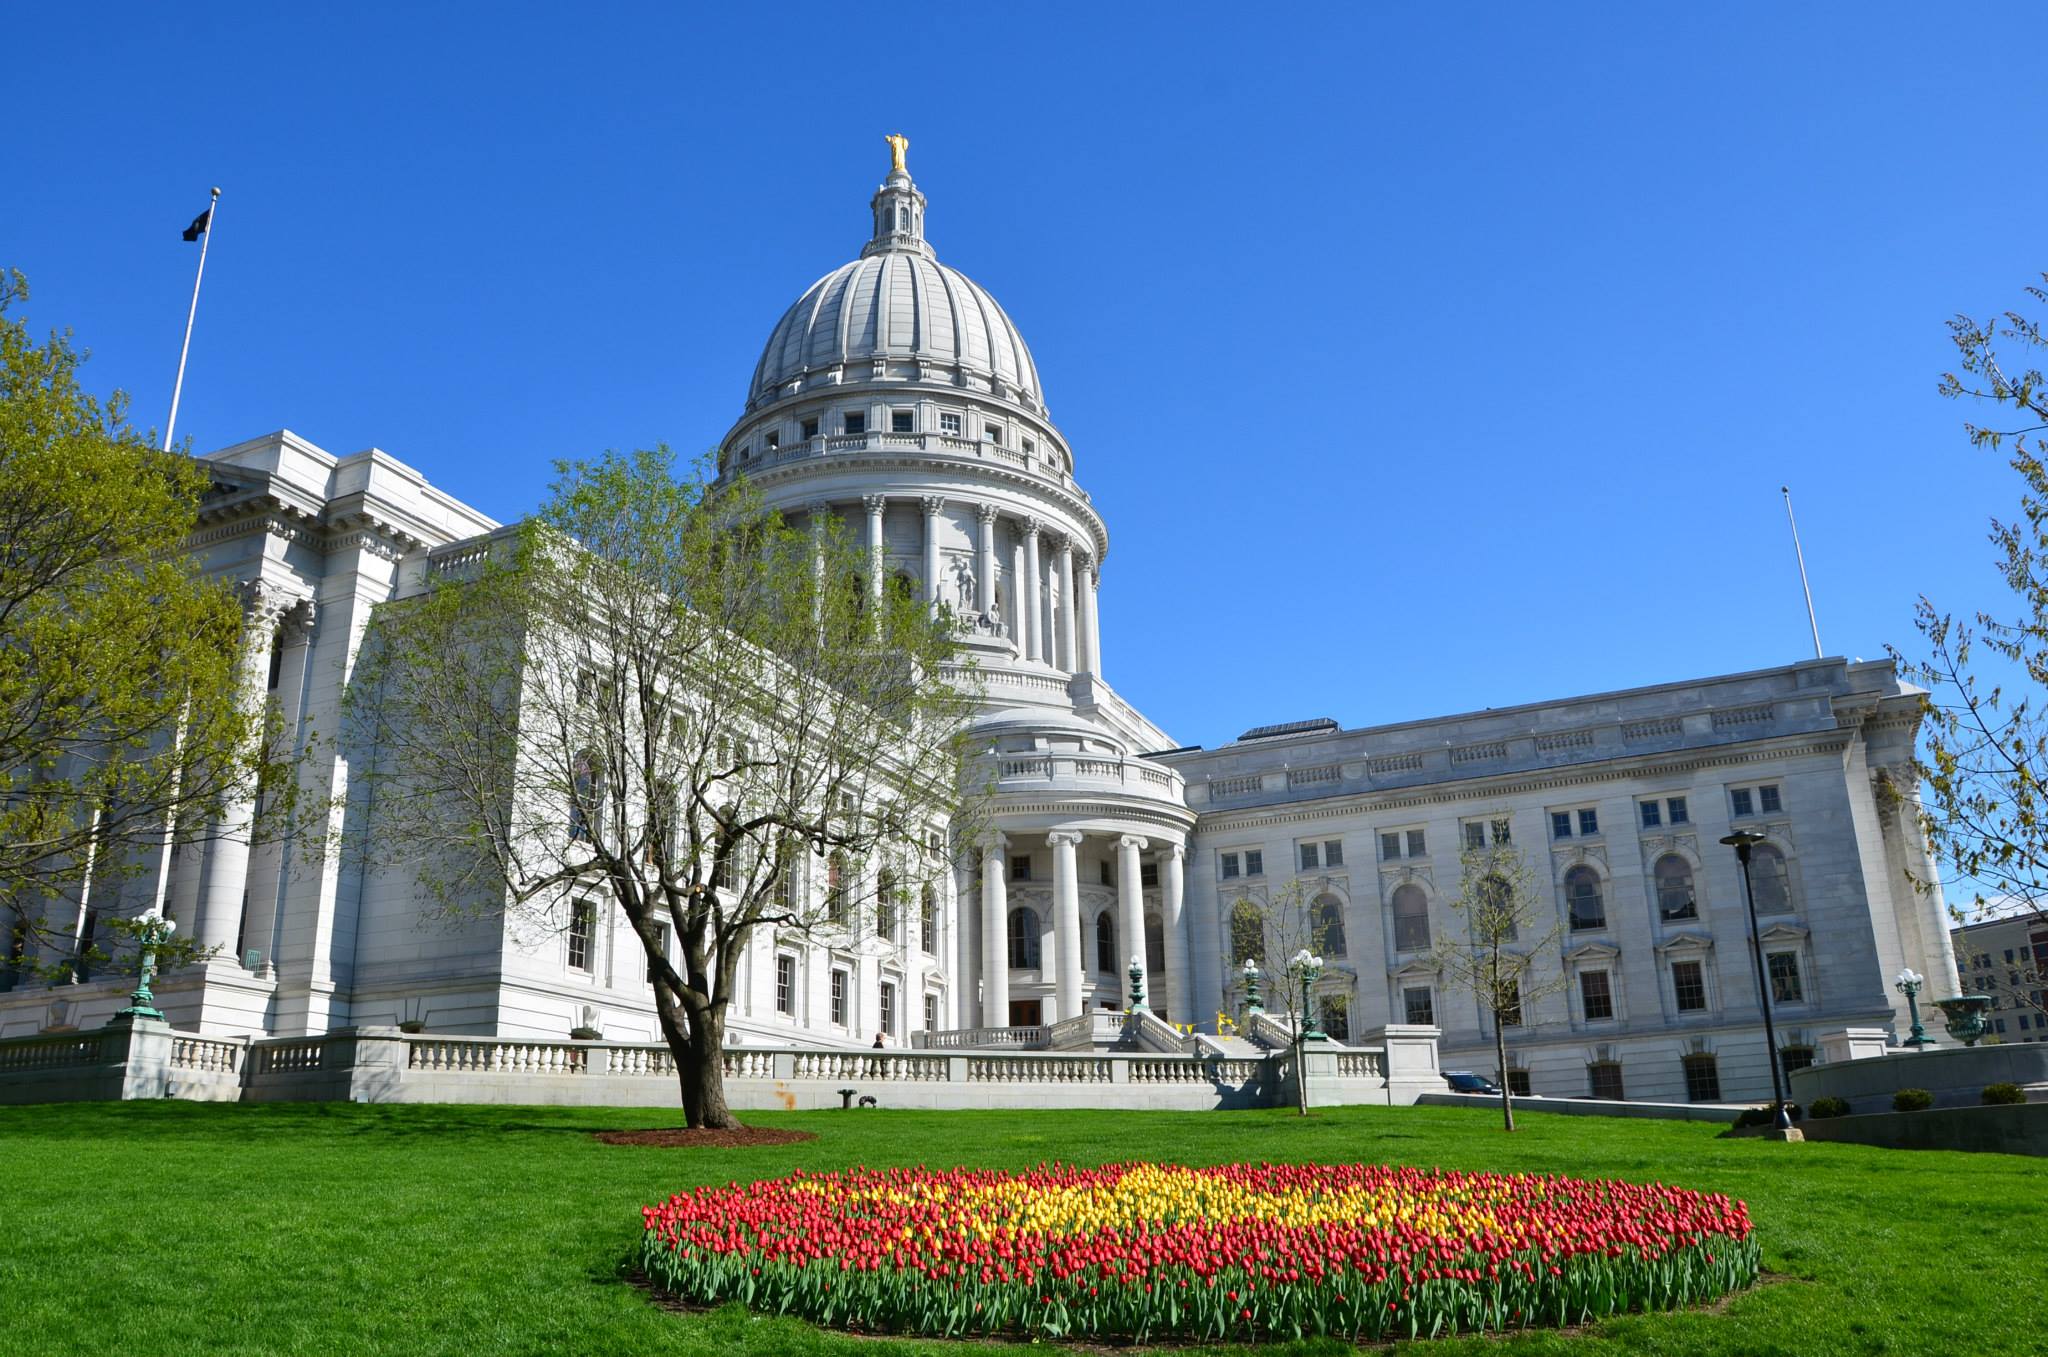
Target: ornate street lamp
[(1308, 969), (1742, 840), (1253, 1003), (1137, 974), (1908, 982), (155, 930)]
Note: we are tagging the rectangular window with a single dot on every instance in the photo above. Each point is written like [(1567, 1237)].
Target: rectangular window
[(1589, 822), (1254, 862), (1767, 800), (1108, 872), (1020, 867), (1390, 846), (1603, 1080), (1560, 824), (1415, 844), (1597, 996), (1785, 986), (1029, 447), (931, 1012), (785, 985), (660, 949), (1227, 866), (927, 923), (1416, 1003), (888, 1008), (1511, 1004), (1308, 857), (992, 432), (1475, 835), (1702, 1079), (1333, 853), (1676, 806), (1518, 1083), (774, 440), (582, 925), (949, 423), (839, 979), (1502, 833), (810, 428), (1148, 874), (1651, 815), (903, 421), (1689, 986), (1739, 800), (1796, 1058), (856, 421)]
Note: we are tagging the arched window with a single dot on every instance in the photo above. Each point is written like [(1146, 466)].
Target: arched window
[(586, 796), (1105, 943), (1155, 946), (1769, 880), (1024, 939), (1582, 898), (1247, 934), (1326, 926), (885, 905), (1411, 919), (1674, 889), (835, 888)]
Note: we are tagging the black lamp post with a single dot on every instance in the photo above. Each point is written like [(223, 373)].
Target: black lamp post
[(1742, 840)]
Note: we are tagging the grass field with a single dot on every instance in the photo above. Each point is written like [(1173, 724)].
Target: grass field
[(152, 1228)]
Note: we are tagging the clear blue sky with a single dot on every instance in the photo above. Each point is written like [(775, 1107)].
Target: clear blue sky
[(1420, 359)]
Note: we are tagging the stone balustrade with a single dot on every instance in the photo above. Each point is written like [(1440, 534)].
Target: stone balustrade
[(146, 1059)]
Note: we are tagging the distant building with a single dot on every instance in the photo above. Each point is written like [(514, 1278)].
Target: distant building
[(897, 395), (2008, 960)]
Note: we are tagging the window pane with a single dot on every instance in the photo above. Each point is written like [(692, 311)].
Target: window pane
[(1604, 1080), (1333, 854), (1411, 920), (1560, 824), (1229, 864), (1475, 836), (1589, 822), (1785, 986), (1582, 898), (1597, 996), (1415, 843), (1255, 863), (1689, 986), (902, 421), (1769, 880), (1767, 797), (1650, 817), (1501, 833), (1308, 856), (1740, 799), (1674, 888), (1418, 1008), (1390, 846), (1676, 805), (1702, 1079)]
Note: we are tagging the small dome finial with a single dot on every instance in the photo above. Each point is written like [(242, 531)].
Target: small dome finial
[(898, 206), (898, 144)]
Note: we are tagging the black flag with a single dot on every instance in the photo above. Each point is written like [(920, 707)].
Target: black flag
[(198, 226)]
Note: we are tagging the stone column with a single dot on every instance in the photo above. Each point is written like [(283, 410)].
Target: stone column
[(271, 868), (1067, 660), (934, 505), (1032, 625), (818, 514), (1013, 622), (1130, 894), (218, 917), (1066, 919), (1173, 922), (875, 505), (1086, 661), (995, 934), (985, 583)]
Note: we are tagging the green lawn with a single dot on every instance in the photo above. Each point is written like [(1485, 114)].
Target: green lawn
[(153, 1228)]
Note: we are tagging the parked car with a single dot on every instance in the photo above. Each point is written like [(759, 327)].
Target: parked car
[(1464, 1081)]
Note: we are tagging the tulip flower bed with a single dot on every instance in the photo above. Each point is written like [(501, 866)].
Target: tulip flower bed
[(1151, 1251)]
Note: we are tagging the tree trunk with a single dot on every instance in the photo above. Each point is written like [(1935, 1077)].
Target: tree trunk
[(1507, 1095), (1301, 1066), (700, 1066)]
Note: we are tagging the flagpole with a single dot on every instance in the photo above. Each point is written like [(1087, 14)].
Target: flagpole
[(178, 387), (1798, 552)]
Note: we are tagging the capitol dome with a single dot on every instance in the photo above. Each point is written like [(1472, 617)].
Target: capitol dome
[(896, 314)]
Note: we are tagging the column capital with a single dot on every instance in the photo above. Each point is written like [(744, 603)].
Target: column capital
[(818, 508), (1029, 526), (875, 503), (264, 601), (1134, 842), (1069, 837), (1062, 544), (986, 512), (299, 619), (933, 505), (1169, 849)]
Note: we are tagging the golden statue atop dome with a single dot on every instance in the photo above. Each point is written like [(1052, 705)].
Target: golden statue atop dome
[(898, 144)]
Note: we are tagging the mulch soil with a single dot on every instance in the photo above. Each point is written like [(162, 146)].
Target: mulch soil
[(677, 1138)]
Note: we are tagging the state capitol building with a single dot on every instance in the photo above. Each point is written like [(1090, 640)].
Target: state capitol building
[(896, 394)]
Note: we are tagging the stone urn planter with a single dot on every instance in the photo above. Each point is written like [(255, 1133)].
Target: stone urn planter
[(1965, 1016)]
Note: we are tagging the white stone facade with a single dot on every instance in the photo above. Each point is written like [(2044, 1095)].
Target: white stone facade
[(898, 397)]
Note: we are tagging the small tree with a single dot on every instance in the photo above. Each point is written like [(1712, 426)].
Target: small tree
[(1273, 930), (1495, 958), (124, 711), (1986, 727), (657, 695)]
